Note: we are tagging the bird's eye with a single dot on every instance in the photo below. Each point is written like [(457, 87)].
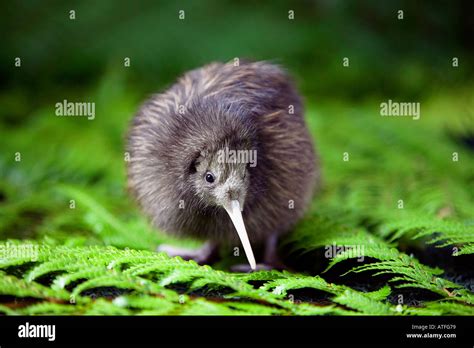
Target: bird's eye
[(210, 177)]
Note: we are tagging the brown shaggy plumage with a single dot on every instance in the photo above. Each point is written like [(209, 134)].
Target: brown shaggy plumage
[(221, 105)]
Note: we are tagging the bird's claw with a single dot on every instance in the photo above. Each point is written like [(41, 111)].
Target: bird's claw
[(207, 254), (245, 267)]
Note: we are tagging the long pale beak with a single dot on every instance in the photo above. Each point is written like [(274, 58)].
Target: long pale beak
[(236, 217)]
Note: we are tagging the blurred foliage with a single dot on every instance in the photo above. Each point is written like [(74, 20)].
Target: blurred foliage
[(408, 57), (67, 195)]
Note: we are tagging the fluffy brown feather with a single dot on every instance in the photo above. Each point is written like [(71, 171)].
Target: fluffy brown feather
[(175, 136)]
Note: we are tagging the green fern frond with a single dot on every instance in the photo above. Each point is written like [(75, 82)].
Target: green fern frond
[(49, 308), (10, 285), (279, 287), (6, 310), (146, 278), (466, 249), (363, 303), (414, 274)]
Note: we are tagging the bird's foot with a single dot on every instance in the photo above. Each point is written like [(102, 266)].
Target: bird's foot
[(245, 267), (271, 260), (207, 254)]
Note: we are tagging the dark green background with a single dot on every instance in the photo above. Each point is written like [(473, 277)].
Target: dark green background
[(399, 58)]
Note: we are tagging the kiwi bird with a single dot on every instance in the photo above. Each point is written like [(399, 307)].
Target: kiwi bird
[(224, 155)]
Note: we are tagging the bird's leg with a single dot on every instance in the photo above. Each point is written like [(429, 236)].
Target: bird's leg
[(207, 254), (270, 258)]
